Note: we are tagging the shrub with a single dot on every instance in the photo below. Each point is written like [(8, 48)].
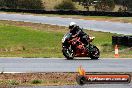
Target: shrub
[(36, 81), (105, 5), (129, 5), (13, 82), (31, 4), (22, 4), (66, 5)]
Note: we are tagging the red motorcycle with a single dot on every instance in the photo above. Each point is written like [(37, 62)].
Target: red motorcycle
[(73, 47)]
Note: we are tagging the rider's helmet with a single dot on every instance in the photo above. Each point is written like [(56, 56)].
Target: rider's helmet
[(72, 25)]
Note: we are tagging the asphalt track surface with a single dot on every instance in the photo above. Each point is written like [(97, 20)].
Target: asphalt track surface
[(113, 27), (22, 65)]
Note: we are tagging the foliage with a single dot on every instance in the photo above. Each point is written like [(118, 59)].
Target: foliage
[(36, 81), (125, 3), (22, 4), (85, 3), (105, 5), (100, 5), (120, 2), (65, 5), (129, 5), (31, 4)]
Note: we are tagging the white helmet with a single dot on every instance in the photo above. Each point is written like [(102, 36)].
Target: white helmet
[(72, 25)]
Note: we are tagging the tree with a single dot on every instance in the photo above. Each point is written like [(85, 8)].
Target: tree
[(85, 3), (125, 3), (22, 4), (100, 5), (1, 3), (129, 5), (65, 5), (105, 5), (9, 3), (31, 4)]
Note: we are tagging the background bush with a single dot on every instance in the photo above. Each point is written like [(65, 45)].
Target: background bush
[(36, 81), (22, 4), (66, 5), (105, 5)]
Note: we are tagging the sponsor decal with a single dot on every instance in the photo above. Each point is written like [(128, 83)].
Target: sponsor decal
[(84, 78)]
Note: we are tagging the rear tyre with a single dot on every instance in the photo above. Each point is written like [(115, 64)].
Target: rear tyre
[(95, 54), (68, 53)]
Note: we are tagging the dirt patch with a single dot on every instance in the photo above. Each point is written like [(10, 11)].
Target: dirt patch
[(46, 78)]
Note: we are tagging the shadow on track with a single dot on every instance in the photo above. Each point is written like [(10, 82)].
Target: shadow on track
[(84, 59)]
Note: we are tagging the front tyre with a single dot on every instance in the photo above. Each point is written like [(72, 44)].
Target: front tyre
[(95, 54), (68, 53)]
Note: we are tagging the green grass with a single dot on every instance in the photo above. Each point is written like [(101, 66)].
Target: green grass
[(13, 82), (19, 41), (13, 36), (14, 39)]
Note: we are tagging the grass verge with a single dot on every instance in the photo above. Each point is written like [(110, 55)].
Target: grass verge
[(23, 39)]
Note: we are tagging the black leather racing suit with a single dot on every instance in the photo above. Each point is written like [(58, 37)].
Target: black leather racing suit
[(83, 36)]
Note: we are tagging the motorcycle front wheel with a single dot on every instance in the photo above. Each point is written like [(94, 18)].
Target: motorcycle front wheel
[(68, 53), (95, 54)]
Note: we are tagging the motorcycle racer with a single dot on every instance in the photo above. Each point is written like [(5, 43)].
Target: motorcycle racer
[(75, 30)]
